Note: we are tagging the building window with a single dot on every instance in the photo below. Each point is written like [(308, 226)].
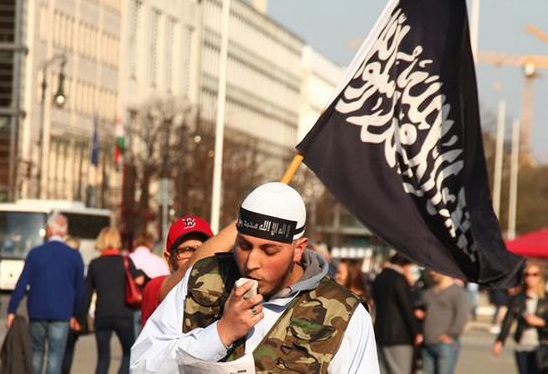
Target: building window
[(56, 31), (188, 47), (84, 99), (86, 41), (135, 16), (76, 36), (70, 32), (170, 46), (153, 45), (93, 42), (43, 23), (62, 29)]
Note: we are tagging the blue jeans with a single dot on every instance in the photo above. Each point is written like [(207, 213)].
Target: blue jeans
[(124, 329), (440, 358), (54, 335)]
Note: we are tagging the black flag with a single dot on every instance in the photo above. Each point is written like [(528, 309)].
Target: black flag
[(400, 144)]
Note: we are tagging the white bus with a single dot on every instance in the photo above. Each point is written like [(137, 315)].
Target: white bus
[(22, 227)]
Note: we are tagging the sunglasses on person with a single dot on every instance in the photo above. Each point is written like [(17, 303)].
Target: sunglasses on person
[(182, 252), (530, 274)]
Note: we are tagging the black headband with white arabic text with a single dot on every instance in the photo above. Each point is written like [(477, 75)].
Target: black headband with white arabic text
[(267, 227)]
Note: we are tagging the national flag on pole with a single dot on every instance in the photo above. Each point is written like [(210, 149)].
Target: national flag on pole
[(400, 144), (120, 144), (95, 142)]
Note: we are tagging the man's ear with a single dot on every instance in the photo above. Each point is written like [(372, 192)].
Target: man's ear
[(167, 257), (300, 246)]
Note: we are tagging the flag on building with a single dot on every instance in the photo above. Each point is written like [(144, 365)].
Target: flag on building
[(400, 144), (120, 144), (95, 142)]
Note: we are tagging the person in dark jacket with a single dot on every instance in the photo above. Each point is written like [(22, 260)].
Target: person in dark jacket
[(16, 354), (106, 277), (396, 329), (530, 309)]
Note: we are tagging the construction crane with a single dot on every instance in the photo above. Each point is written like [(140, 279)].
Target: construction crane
[(530, 65), (538, 33)]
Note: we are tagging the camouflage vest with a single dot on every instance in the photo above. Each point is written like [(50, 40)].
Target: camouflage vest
[(304, 339)]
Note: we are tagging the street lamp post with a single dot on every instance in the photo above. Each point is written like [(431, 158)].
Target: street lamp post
[(45, 123)]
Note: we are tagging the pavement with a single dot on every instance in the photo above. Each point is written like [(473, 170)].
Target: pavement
[(475, 357)]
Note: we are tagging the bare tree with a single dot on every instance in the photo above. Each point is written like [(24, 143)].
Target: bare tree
[(158, 136), (166, 140), (242, 170)]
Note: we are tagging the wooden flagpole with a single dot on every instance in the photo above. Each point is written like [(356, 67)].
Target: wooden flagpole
[(292, 169)]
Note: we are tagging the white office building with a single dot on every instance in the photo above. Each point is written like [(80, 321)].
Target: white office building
[(116, 55), (77, 42)]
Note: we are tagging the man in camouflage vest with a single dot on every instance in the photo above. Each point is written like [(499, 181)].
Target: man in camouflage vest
[(299, 321)]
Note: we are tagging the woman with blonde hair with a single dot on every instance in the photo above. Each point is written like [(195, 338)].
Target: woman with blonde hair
[(106, 277), (530, 309)]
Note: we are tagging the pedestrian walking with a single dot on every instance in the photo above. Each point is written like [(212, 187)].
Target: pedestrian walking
[(298, 319), (530, 309), (396, 328), (445, 314), (53, 281), (107, 278), (184, 237)]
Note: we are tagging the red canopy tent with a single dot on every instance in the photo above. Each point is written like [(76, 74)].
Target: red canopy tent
[(531, 244)]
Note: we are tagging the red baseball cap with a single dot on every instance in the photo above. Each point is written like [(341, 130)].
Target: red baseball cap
[(184, 226)]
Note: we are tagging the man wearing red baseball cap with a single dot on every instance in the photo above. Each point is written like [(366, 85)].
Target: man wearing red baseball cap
[(184, 237)]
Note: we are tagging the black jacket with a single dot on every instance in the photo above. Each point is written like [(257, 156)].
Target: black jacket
[(395, 321), (107, 278), (516, 309), (16, 354)]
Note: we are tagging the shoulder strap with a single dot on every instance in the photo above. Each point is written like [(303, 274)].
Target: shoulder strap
[(126, 264), (210, 282), (229, 272)]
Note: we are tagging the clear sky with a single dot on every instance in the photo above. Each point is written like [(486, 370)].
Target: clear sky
[(330, 25)]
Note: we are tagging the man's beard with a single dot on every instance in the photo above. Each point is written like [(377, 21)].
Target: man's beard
[(278, 286)]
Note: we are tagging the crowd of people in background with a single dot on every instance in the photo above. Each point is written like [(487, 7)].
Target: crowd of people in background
[(419, 320), (418, 317), (64, 303)]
